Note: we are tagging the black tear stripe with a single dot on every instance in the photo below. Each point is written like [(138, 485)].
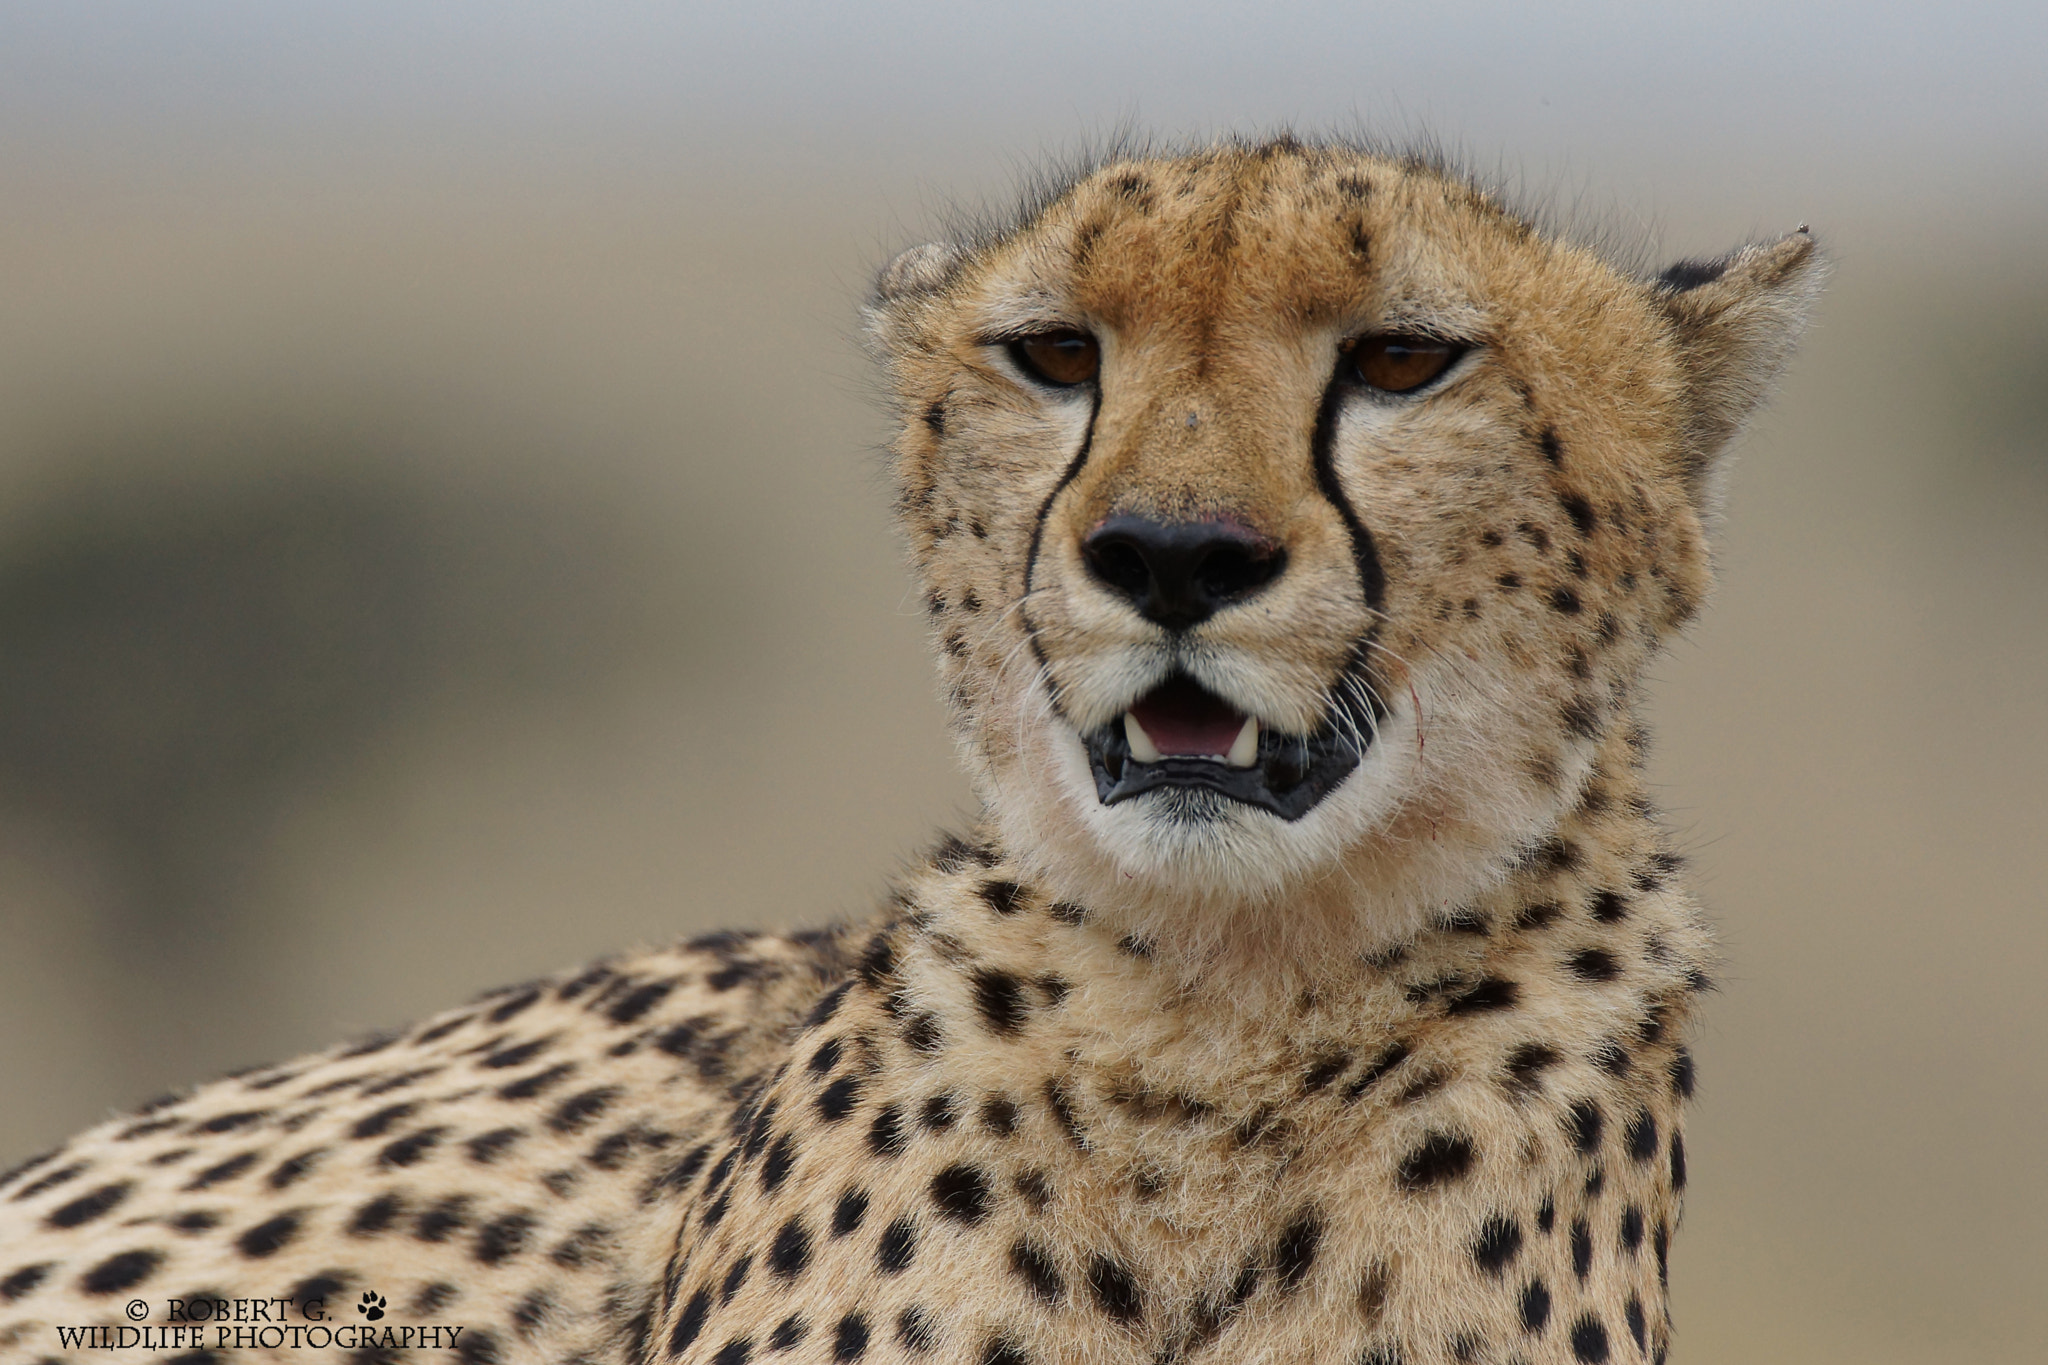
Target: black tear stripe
[(1362, 714), (1067, 476)]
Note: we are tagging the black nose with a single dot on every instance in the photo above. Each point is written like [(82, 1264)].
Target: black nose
[(1179, 573)]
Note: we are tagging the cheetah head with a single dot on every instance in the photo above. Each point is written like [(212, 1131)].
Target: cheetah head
[(1286, 511)]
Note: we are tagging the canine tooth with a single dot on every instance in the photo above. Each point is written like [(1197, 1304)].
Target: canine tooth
[(1244, 750), (1143, 750)]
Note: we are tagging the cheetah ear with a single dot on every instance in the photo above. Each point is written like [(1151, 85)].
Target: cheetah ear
[(919, 270), (1736, 320)]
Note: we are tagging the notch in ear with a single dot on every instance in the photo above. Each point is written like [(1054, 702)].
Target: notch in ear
[(1736, 321)]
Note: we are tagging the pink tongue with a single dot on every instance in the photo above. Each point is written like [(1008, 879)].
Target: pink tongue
[(1183, 720)]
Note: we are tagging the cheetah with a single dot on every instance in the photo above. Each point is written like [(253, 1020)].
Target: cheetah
[(1295, 522)]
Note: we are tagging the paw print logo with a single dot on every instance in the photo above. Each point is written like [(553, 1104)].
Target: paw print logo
[(372, 1306)]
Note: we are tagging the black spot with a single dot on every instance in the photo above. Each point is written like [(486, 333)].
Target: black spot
[(1536, 916), (1464, 921), (1000, 998), (117, 1273), (999, 1116), (1677, 1161), (735, 1280), (1581, 717), (526, 1087), (878, 963), (87, 1207), (1036, 1269), (937, 1114), (1596, 1181), (1003, 1351), (1612, 1058), (1692, 274), (1490, 994), (450, 1215), (935, 416), (1380, 1066), (1582, 1248), (434, 1297), (922, 1032), (721, 1170), (1552, 451), (1563, 599), (22, 1282), (228, 1123), (1295, 1253), (730, 975), (1499, 1240), (715, 1214), (269, 1237), (1325, 1071), (1386, 1353), (1593, 964), (1063, 1113), (1441, 1157), (1035, 1188), (576, 1113), (1580, 511), (1546, 1215), (1066, 912), (1631, 1228), (1508, 582), (1134, 946), (1660, 1241), (734, 1352), (1526, 1065), (292, 1168), (375, 1216), (885, 1134), (514, 1056), (836, 1101), (915, 1330), (478, 1348), (1115, 1290), (788, 1334), (503, 1237), (690, 1323), (826, 1057), (1609, 907), (828, 1005), (898, 1245), (962, 1194), (1053, 988), (1589, 1340), (379, 1123), (1002, 897), (849, 1211), (1535, 1306), (409, 1150), (532, 1311), (1642, 1136), (1638, 1327), (781, 1157), (791, 1250), (217, 1173), (1584, 1123), (56, 1177)]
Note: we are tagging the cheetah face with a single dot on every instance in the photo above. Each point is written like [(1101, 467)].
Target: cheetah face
[(1282, 509)]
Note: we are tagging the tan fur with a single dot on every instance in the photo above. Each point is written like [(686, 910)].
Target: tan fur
[(1398, 1080)]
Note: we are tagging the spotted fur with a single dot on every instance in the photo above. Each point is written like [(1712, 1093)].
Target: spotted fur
[(1399, 1080)]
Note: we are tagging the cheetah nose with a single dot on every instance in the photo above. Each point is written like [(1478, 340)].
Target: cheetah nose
[(1179, 574)]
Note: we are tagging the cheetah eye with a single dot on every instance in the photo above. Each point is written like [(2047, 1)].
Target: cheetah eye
[(1064, 358), (1399, 364)]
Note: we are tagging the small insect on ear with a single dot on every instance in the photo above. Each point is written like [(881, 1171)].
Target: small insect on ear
[(1736, 321), (918, 271)]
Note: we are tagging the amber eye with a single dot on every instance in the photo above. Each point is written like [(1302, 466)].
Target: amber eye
[(1064, 357), (1397, 364)]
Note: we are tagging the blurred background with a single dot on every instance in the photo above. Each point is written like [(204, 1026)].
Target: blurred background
[(442, 534)]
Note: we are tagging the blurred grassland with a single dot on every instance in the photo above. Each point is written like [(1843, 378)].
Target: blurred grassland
[(407, 587)]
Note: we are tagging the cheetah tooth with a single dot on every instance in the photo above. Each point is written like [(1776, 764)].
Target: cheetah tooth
[(1142, 748), (1244, 750)]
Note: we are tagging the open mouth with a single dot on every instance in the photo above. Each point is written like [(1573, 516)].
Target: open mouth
[(1180, 734)]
